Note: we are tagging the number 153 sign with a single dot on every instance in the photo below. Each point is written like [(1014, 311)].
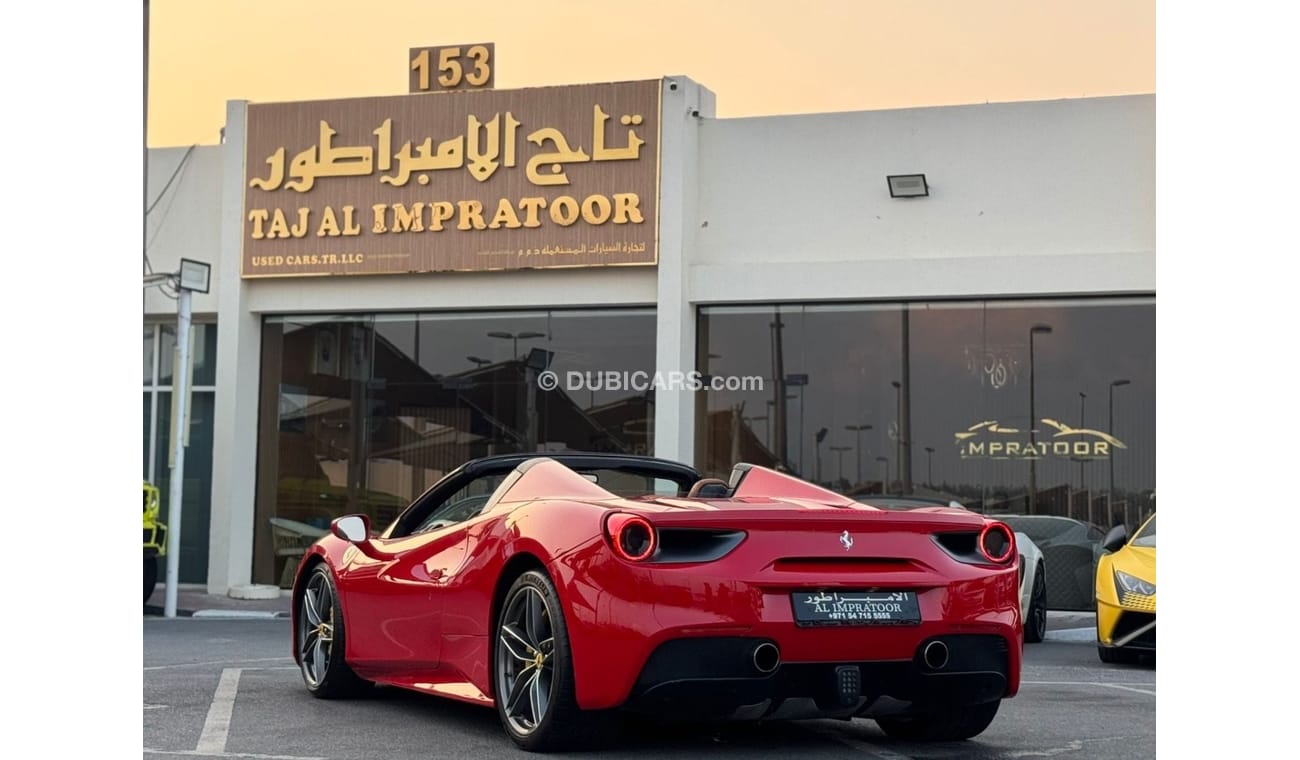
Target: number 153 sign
[(453, 67)]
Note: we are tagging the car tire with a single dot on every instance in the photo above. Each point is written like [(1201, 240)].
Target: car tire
[(320, 640), (532, 673), (947, 725), (150, 577), (1036, 625)]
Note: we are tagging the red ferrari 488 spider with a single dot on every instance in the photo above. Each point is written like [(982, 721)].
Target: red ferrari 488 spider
[(567, 590)]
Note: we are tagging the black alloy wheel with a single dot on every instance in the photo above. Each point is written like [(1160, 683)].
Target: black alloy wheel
[(319, 640), (533, 673)]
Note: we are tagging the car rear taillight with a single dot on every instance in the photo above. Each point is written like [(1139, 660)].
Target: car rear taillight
[(997, 543), (632, 536)]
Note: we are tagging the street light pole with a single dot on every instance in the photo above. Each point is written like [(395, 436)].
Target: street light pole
[(884, 486), (859, 429), (180, 409), (778, 426), (840, 450), (145, 208), (515, 338), (1110, 428), (1033, 468), (821, 436), (1083, 397), (193, 276), (529, 397), (898, 425)]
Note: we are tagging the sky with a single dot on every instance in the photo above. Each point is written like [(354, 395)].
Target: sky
[(759, 57)]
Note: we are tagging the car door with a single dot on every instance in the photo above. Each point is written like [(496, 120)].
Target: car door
[(395, 605)]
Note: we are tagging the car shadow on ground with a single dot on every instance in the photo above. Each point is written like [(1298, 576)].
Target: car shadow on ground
[(1140, 662), (642, 735)]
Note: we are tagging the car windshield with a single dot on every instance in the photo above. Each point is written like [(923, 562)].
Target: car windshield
[(1146, 536)]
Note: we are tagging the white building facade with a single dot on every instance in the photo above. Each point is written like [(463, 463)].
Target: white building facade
[(992, 341)]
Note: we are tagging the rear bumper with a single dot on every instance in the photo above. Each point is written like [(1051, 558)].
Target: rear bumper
[(619, 618), (716, 678)]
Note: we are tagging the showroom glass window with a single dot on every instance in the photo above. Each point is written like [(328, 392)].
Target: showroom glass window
[(362, 413), (934, 399), (159, 347)]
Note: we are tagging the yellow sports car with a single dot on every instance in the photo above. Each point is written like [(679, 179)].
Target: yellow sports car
[(1126, 594), (155, 539)]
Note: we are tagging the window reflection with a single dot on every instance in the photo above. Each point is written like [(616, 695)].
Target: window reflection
[(935, 399), (360, 414)]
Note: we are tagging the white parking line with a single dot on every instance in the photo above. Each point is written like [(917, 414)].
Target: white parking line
[(1073, 746), (249, 755), (1128, 688), (217, 727), (1124, 686)]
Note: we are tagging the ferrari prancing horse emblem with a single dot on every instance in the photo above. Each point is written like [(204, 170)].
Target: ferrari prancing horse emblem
[(846, 540)]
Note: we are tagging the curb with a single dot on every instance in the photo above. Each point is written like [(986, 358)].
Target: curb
[(239, 614)]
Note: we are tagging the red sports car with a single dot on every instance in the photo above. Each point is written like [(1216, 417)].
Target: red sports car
[(567, 590)]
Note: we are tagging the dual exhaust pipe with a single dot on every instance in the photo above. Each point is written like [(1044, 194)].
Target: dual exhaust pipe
[(767, 658), (935, 655)]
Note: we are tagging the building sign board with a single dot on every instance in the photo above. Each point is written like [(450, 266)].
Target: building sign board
[(991, 440), (471, 180)]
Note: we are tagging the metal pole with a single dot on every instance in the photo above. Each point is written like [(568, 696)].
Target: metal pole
[(1083, 397), (1110, 428), (779, 431), (181, 400), (898, 427), (803, 466), (531, 397), (145, 218), (860, 431), (905, 408), (1033, 470)]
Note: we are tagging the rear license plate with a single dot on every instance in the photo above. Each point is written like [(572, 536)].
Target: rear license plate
[(856, 608)]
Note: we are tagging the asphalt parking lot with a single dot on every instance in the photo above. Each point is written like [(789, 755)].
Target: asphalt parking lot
[(229, 689)]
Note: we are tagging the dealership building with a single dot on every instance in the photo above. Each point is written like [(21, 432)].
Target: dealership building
[(954, 302)]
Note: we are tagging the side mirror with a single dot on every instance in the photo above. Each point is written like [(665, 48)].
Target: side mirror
[(355, 529), (1115, 538), (351, 528)]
